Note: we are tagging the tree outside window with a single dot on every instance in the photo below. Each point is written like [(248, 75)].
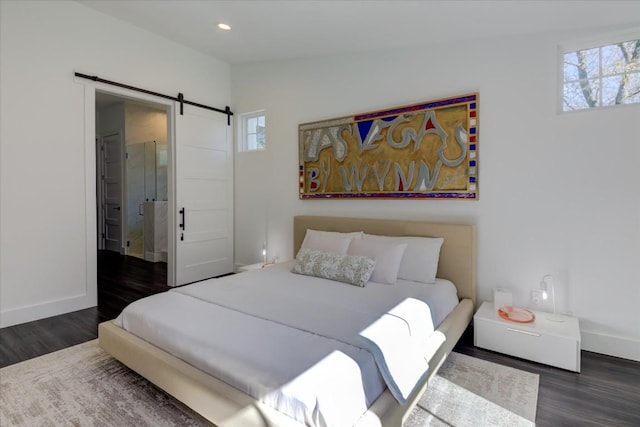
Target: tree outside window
[(602, 76)]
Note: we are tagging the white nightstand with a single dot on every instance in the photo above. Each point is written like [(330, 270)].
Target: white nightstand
[(544, 341)]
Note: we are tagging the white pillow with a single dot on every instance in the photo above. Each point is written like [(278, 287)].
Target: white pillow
[(420, 259), (329, 241), (388, 256), (326, 243), (352, 235), (351, 269)]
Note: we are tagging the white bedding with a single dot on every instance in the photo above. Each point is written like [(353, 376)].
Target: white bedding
[(241, 330)]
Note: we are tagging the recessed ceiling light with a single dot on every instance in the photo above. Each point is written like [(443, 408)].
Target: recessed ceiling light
[(224, 27)]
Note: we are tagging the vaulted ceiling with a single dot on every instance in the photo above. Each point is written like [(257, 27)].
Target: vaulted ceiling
[(275, 30)]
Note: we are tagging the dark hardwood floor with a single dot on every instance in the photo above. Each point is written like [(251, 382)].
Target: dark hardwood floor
[(606, 393), (121, 280)]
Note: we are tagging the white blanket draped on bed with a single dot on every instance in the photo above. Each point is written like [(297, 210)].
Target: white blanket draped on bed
[(296, 342), (395, 340)]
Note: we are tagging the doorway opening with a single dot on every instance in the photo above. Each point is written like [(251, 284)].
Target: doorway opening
[(132, 177)]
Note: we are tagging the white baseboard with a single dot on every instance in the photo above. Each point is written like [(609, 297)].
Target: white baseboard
[(623, 347), (25, 314), (155, 256)]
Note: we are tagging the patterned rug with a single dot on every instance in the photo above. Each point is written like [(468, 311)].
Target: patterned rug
[(83, 386), (472, 392)]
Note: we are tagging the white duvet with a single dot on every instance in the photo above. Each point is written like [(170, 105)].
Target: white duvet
[(300, 344)]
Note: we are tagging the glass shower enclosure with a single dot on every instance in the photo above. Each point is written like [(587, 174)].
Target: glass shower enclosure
[(146, 190)]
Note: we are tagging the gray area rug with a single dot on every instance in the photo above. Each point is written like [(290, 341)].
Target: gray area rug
[(83, 386), (472, 392)]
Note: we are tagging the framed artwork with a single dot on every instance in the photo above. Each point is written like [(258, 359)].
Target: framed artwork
[(425, 150)]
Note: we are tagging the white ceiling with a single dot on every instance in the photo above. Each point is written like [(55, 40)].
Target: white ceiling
[(276, 30)]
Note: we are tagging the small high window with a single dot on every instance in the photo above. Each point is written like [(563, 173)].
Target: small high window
[(252, 131), (601, 76)]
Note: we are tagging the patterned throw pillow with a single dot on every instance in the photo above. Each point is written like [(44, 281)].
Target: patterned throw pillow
[(352, 269)]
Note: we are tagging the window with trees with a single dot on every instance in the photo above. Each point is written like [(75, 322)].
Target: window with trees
[(252, 131), (601, 76)]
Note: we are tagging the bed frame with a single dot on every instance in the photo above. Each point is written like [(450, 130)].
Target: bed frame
[(225, 406)]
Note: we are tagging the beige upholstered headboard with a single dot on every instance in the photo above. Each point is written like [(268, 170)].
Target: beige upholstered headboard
[(457, 256)]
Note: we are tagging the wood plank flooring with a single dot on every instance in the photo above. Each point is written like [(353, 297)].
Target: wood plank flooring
[(121, 280), (606, 393)]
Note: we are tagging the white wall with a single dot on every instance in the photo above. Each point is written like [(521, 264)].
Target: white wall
[(558, 192), (47, 263), (144, 123)]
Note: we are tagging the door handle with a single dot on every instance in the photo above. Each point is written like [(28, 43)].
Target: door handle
[(533, 334), (117, 208), (141, 209), (183, 223)]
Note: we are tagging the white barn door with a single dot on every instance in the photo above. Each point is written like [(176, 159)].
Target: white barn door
[(204, 195)]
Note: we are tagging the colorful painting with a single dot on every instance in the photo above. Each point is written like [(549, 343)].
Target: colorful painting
[(426, 150)]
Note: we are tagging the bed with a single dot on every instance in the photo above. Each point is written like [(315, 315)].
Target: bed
[(225, 405)]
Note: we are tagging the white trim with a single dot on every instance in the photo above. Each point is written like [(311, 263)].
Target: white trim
[(600, 40), (42, 310), (91, 230), (90, 200), (171, 194), (623, 347), (560, 79)]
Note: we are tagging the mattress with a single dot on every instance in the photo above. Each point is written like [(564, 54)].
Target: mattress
[(290, 341)]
